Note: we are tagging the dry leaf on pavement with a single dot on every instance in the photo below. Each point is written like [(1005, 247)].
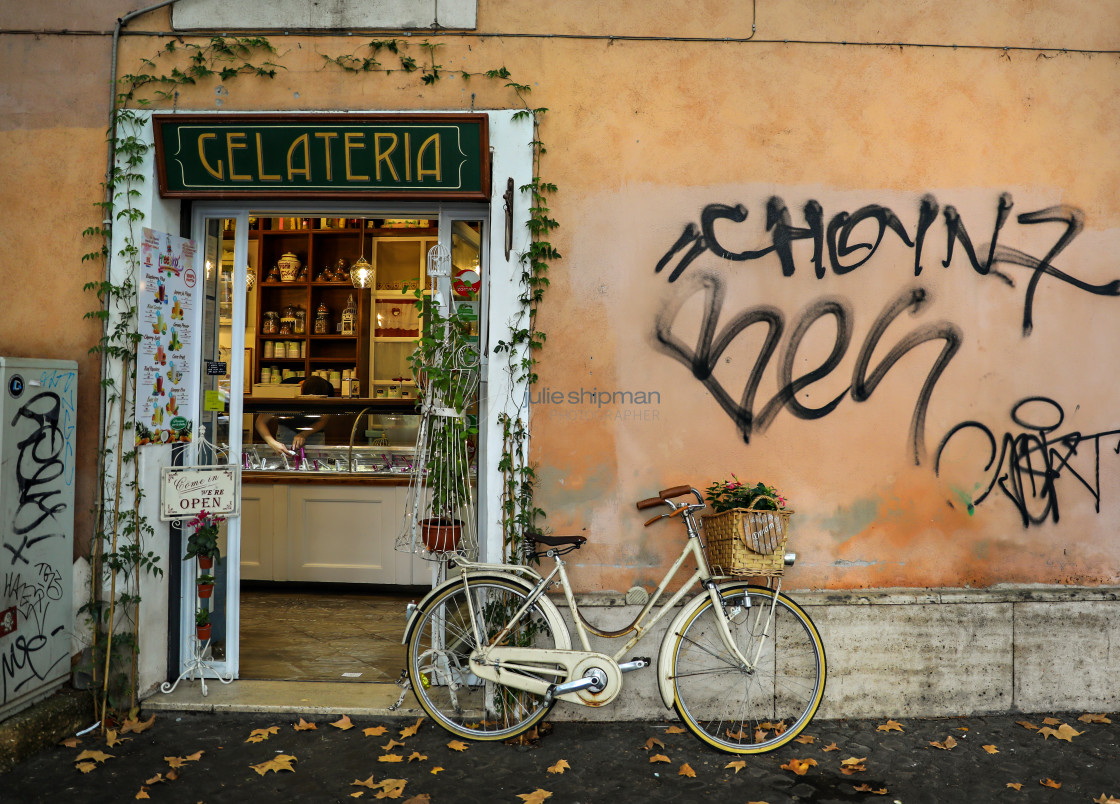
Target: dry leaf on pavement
[(799, 766), (303, 725), (390, 758), (991, 749), (436, 770), (1064, 732), (852, 765), (159, 777), (143, 793), (806, 739), (374, 731), (410, 731), (674, 730), (1087, 718), (72, 742), (831, 747), (1015, 785), (260, 735), (422, 798), (1026, 725), (389, 746), (1106, 800), (560, 766), (686, 770), (658, 758), (948, 745), (86, 767), (1048, 782), (416, 756), (652, 741), (866, 788), (364, 783), (96, 756), (136, 725), (1050, 721), (392, 788), (890, 725), (343, 723), (280, 762), (457, 745), (112, 740), (737, 764), (536, 797)]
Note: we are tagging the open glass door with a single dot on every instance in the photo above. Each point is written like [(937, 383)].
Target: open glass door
[(219, 366)]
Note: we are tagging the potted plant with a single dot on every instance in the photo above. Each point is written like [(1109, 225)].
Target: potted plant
[(203, 541), (205, 584), (445, 364), (202, 624)]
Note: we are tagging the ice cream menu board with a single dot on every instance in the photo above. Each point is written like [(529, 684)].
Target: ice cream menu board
[(164, 401)]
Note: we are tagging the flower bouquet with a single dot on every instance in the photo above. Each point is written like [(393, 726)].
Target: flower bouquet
[(747, 534), (203, 541)]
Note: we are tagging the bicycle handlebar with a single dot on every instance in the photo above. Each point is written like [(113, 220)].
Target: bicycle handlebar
[(663, 495)]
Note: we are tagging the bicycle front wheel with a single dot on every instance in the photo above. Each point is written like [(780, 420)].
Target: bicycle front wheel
[(758, 707), (439, 651)]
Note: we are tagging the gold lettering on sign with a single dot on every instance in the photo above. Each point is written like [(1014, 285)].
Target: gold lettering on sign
[(407, 153), (353, 140), (380, 156), (421, 172), (327, 137), (260, 164), (301, 140), (220, 173), (233, 145)]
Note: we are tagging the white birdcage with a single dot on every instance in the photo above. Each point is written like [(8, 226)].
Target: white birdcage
[(440, 506)]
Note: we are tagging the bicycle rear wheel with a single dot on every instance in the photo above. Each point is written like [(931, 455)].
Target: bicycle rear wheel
[(755, 709), (439, 651)]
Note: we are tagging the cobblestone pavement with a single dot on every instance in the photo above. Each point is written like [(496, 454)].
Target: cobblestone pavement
[(608, 763)]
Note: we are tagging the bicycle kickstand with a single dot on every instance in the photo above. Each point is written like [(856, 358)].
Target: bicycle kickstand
[(406, 685)]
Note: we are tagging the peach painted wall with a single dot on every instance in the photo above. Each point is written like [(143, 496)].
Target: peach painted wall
[(643, 137)]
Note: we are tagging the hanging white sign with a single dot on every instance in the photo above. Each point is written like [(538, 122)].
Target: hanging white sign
[(187, 491)]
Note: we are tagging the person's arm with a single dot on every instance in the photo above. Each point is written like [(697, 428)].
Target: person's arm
[(264, 421), (302, 436)]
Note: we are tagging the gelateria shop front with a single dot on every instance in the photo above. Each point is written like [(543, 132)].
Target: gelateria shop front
[(315, 236)]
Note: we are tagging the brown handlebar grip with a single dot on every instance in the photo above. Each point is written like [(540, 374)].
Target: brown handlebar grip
[(652, 501), (675, 491), (665, 516)]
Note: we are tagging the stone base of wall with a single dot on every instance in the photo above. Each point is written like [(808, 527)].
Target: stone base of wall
[(922, 653)]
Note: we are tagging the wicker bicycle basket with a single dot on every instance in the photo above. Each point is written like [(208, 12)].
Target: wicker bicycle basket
[(747, 541)]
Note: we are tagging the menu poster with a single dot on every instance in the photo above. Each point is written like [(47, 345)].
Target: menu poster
[(164, 401)]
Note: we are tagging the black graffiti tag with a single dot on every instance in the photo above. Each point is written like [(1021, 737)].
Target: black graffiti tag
[(847, 252), (1029, 463), (710, 346), (39, 471)]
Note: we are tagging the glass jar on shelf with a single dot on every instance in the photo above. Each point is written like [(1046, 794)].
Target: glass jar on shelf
[(288, 320), (300, 326), (270, 324), (322, 320)]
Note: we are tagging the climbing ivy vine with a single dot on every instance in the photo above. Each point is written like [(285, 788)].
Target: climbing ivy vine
[(117, 553)]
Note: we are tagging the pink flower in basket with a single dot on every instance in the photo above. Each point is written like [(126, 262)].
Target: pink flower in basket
[(726, 495)]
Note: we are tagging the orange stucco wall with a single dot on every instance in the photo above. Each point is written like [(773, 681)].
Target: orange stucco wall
[(643, 137)]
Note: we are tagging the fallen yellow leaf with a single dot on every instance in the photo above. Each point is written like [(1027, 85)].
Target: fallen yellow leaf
[(260, 735), (674, 730), (136, 726), (890, 725), (799, 766), (806, 739), (436, 769), (866, 788), (96, 756), (831, 747), (72, 742), (421, 798), (143, 793), (851, 770), (390, 758), (343, 723), (1064, 732), (410, 731), (739, 735), (991, 749), (280, 762), (457, 745), (1026, 725), (364, 783), (1087, 718), (1051, 721), (737, 764), (1048, 782), (1106, 800), (389, 746), (962, 728), (560, 766), (112, 740), (303, 725), (1015, 785), (374, 731), (392, 788), (195, 757), (417, 756), (86, 767), (686, 770), (658, 758), (155, 779), (948, 745), (652, 741), (357, 794), (536, 797), (853, 761)]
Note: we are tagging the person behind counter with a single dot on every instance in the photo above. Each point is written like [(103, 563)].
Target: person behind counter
[(276, 431)]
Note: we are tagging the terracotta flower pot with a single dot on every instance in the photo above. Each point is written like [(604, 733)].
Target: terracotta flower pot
[(203, 631), (205, 590), (440, 535), (205, 562)]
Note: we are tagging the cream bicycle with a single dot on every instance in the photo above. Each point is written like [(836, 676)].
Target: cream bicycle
[(489, 653)]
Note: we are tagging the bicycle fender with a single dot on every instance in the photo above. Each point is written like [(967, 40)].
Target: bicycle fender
[(665, 658), (555, 619)]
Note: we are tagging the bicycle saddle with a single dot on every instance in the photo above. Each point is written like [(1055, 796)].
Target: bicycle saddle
[(556, 541)]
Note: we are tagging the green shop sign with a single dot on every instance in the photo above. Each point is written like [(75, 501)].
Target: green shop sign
[(323, 156)]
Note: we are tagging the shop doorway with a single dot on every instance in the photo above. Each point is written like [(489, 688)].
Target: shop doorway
[(309, 586)]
